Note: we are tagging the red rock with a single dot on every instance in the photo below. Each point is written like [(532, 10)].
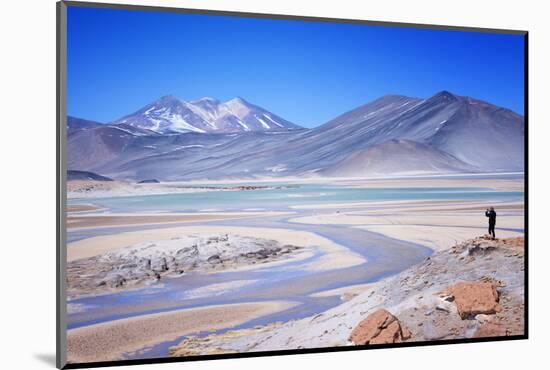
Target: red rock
[(380, 327), (473, 298), (514, 242)]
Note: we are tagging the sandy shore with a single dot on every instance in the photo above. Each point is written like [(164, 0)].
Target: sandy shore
[(88, 189), (109, 341), (435, 237), (78, 208), (433, 224), (501, 184), (390, 204), (473, 180), (91, 221)]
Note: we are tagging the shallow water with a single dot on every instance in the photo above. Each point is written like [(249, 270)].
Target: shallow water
[(288, 281), (281, 199), (272, 282)]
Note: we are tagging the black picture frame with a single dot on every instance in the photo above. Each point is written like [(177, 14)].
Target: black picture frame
[(61, 168)]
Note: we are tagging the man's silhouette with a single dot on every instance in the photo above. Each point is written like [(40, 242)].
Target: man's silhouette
[(492, 220)]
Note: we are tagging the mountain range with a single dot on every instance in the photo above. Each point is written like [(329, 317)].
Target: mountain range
[(171, 139), (207, 115)]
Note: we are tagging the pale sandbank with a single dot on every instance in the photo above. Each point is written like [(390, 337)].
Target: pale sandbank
[(428, 223), (111, 340), (77, 208), (91, 221)]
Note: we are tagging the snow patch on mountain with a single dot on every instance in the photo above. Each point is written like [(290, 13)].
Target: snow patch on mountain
[(206, 115)]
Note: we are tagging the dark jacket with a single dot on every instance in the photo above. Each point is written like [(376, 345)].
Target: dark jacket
[(492, 217)]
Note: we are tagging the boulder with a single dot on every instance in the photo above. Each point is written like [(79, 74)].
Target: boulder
[(380, 327), (473, 298)]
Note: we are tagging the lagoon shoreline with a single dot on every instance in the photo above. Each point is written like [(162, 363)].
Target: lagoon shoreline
[(443, 224)]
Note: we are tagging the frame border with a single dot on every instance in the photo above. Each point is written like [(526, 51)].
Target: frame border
[(166, 9), (61, 185), (61, 195)]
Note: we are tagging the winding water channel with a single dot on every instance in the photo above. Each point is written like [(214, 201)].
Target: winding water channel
[(280, 282)]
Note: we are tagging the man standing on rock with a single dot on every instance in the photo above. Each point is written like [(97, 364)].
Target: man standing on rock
[(492, 220)]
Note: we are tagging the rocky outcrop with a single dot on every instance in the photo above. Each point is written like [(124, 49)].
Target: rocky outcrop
[(474, 298), (492, 275), (145, 263), (380, 327), (149, 181)]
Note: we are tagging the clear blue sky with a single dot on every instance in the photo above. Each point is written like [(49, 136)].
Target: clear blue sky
[(306, 72)]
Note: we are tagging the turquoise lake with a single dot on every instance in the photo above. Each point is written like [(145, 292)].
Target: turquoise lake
[(281, 199)]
